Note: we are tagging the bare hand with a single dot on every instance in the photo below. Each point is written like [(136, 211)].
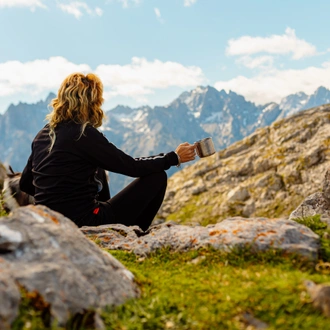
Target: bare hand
[(186, 152)]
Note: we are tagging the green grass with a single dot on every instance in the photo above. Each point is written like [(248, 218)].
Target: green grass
[(2, 211), (186, 212), (213, 293), (279, 208), (191, 211), (314, 223), (321, 229)]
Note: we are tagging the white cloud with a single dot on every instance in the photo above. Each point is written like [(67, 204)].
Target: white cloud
[(77, 9), (287, 43), (135, 80), (142, 77), (157, 12), (272, 84), (188, 3), (32, 4), (98, 11), (276, 84), (127, 3), (159, 16), (37, 76), (262, 62)]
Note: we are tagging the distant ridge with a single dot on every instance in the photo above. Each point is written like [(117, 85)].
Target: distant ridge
[(200, 112)]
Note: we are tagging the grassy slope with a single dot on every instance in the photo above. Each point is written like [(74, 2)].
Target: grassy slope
[(215, 292)]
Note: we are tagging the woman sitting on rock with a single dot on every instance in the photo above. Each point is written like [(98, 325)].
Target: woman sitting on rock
[(66, 168)]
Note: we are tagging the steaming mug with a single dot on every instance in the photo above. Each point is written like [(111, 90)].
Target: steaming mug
[(205, 147)]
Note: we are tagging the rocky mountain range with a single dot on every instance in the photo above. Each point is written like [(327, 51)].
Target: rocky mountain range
[(201, 112), (266, 174)]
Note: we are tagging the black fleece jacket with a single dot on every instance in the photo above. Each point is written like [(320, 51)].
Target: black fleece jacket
[(63, 179)]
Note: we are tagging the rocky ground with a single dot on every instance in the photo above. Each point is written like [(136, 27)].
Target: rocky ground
[(44, 253), (268, 174)]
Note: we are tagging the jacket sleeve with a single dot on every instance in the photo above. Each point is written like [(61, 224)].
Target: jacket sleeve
[(26, 181), (102, 153)]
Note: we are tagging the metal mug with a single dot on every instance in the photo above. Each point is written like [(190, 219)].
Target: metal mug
[(205, 147)]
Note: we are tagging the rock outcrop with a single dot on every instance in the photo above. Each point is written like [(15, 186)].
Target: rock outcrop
[(259, 234), (267, 174), (44, 252), (317, 203)]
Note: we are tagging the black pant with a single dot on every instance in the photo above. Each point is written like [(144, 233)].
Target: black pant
[(137, 204)]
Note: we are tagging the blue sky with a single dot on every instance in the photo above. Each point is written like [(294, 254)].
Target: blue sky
[(149, 51)]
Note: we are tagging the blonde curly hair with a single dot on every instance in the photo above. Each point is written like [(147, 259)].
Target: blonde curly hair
[(79, 99)]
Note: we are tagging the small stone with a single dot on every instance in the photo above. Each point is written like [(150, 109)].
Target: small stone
[(320, 295), (252, 322), (238, 194), (197, 260), (249, 209)]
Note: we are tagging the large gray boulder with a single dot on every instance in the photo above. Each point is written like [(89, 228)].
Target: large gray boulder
[(260, 234), (44, 252)]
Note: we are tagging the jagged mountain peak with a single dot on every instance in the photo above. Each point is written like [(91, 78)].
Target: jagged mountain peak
[(50, 96), (232, 93), (121, 108), (197, 98), (301, 101), (204, 89), (292, 102), (322, 93), (234, 97), (199, 90), (320, 90), (39, 104)]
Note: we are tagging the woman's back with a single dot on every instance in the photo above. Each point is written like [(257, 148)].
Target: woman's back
[(63, 177)]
